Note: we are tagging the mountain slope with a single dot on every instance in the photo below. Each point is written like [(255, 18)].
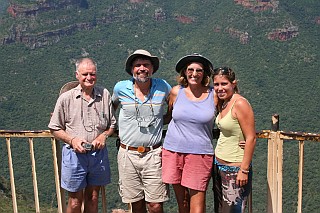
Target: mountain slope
[(272, 45)]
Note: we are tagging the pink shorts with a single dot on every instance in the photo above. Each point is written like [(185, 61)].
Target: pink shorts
[(190, 170)]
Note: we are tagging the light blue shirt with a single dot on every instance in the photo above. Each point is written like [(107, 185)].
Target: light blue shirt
[(141, 122)]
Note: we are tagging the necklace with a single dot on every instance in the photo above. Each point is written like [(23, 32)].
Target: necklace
[(225, 103)]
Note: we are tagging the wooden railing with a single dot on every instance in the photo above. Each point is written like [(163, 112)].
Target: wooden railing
[(56, 154), (274, 167), (275, 162)]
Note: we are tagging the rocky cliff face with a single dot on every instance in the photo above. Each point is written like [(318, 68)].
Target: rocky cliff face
[(243, 36), (21, 32), (259, 5), (22, 11), (284, 34)]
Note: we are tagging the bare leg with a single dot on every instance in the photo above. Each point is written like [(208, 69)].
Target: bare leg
[(197, 201), (91, 199), (139, 207), (155, 207), (183, 198), (74, 202)]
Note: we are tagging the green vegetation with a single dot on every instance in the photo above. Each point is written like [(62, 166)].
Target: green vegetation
[(276, 76)]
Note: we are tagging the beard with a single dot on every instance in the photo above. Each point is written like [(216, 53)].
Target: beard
[(142, 79)]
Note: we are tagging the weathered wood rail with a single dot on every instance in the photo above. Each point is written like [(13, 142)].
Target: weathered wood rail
[(275, 162), (274, 167)]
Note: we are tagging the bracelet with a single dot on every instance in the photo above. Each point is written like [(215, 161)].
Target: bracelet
[(244, 171), (71, 141)]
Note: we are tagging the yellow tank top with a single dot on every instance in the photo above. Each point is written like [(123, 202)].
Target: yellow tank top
[(228, 148)]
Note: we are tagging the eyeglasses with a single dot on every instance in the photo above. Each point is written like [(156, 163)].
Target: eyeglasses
[(144, 120), (191, 70), (222, 70)]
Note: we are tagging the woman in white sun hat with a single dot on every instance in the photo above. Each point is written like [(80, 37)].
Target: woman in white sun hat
[(187, 154)]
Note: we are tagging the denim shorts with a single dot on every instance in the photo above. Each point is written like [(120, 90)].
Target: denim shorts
[(79, 170)]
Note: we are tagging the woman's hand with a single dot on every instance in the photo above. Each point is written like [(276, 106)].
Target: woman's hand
[(242, 178)]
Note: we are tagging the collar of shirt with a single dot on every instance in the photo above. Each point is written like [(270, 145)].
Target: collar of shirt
[(131, 81), (96, 92)]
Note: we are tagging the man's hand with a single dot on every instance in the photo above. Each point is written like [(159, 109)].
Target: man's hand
[(76, 144), (242, 144), (99, 142)]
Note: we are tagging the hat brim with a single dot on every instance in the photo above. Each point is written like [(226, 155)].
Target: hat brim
[(184, 61), (68, 86), (154, 60)]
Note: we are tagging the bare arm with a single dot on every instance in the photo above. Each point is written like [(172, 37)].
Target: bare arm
[(244, 113), (171, 99), (100, 141), (74, 142), (115, 106)]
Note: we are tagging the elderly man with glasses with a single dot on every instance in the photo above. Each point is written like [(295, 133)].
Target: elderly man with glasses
[(84, 118), (141, 120)]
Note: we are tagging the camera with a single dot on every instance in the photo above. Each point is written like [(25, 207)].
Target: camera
[(87, 146)]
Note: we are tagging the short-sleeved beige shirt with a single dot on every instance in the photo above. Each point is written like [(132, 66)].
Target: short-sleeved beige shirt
[(82, 118)]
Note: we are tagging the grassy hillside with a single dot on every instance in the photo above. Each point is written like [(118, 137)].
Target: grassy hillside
[(277, 76)]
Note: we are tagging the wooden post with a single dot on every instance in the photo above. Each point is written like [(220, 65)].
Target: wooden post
[(34, 176), (62, 191), (129, 208), (60, 201), (103, 198), (270, 175), (275, 164), (275, 123), (300, 175), (13, 186), (250, 202), (279, 172)]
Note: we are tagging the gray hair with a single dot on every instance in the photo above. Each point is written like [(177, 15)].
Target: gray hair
[(81, 60)]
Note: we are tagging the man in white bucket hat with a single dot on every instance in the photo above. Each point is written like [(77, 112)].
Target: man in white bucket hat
[(142, 99)]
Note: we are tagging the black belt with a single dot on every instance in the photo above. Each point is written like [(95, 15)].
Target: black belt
[(140, 149)]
